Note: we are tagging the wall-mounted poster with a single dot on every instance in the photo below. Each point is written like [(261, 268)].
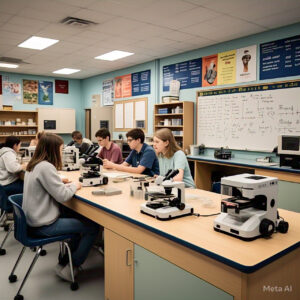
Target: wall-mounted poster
[(246, 64), (45, 92), (61, 86), (210, 70), (280, 58), (141, 83), (30, 91), (108, 92), (187, 72), (11, 92), (226, 67), (123, 86)]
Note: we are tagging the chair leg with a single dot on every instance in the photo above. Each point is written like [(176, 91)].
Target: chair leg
[(2, 251), (12, 277), (70, 260), (28, 272), (2, 218), (74, 285)]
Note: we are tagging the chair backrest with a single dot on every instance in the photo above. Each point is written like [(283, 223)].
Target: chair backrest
[(216, 187), (3, 198), (20, 229)]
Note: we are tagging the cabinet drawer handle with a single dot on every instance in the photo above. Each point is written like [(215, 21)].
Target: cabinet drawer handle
[(127, 258)]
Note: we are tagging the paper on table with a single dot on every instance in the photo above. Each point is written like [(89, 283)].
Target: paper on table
[(115, 175)]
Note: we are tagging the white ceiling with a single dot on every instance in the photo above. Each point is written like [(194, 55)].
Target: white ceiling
[(150, 28)]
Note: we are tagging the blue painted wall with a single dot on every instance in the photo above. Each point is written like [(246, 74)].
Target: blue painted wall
[(93, 85)]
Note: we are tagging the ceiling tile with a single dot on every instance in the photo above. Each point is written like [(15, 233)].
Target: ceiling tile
[(117, 26)]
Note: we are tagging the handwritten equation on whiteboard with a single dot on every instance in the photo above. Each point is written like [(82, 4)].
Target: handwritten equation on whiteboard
[(251, 120)]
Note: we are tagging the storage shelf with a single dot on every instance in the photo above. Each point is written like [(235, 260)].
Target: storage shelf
[(18, 111), (18, 126), (186, 115), (179, 103), (171, 126), (18, 135), (18, 129), (168, 115)]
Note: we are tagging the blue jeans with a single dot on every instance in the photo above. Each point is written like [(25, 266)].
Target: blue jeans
[(13, 188), (70, 222)]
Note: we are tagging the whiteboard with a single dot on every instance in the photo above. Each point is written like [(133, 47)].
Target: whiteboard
[(249, 120)]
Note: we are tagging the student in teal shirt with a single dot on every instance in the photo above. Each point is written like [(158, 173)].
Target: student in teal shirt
[(170, 156)]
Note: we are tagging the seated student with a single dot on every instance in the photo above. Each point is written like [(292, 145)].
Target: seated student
[(142, 158), (9, 167), (34, 141), (82, 143), (109, 150), (43, 191), (170, 156)]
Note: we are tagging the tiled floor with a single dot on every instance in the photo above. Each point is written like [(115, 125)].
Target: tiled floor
[(42, 283)]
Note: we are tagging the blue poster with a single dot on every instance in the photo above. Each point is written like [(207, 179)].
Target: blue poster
[(189, 73), (140, 83), (45, 92), (280, 58)]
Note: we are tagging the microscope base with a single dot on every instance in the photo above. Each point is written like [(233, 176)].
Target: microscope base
[(70, 168), (246, 227), (167, 212), (93, 181)]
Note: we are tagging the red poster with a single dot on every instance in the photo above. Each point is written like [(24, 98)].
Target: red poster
[(123, 86), (209, 70), (0, 84), (62, 86)]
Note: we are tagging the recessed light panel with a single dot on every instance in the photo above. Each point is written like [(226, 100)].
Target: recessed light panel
[(38, 43), (66, 71), (6, 65), (114, 55)]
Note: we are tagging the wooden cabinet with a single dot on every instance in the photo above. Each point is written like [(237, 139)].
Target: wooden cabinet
[(119, 267), (179, 118), (21, 123)]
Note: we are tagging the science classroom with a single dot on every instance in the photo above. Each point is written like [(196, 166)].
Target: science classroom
[(150, 150)]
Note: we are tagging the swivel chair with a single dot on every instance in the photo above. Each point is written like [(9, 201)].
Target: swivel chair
[(26, 240)]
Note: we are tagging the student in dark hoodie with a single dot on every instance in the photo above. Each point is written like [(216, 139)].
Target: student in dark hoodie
[(10, 167)]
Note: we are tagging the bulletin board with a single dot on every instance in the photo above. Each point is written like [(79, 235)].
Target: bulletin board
[(248, 117), (129, 114)]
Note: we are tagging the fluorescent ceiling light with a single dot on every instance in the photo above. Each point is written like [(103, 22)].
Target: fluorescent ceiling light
[(6, 65), (114, 55), (37, 43), (66, 71)]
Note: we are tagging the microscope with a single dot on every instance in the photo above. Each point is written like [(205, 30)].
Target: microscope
[(91, 171), (70, 158), (27, 153), (251, 210), (166, 199)]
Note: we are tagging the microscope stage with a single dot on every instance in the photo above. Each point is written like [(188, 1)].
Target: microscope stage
[(166, 212)]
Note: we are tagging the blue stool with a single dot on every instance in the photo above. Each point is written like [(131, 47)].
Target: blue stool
[(6, 208), (22, 236)]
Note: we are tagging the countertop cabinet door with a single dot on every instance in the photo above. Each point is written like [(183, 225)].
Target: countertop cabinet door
[(118, 267), (156, 278)]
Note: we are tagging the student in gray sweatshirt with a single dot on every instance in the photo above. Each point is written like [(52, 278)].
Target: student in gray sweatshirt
[(43, 193), (9, 166)]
